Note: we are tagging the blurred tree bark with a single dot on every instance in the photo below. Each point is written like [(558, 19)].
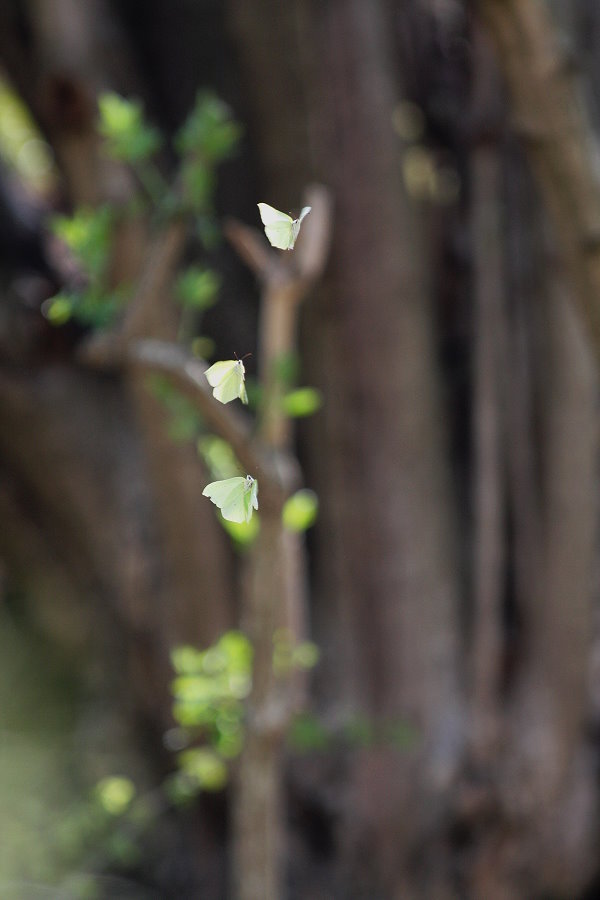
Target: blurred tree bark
[(370, 345)]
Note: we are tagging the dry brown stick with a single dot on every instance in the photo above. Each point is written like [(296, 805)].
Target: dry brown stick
[(275, 576), (286, 278), (312, 251)]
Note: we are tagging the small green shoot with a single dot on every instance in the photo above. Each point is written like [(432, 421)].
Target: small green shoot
[(300, 510), (197, 288), (302, 402), (129, 138)]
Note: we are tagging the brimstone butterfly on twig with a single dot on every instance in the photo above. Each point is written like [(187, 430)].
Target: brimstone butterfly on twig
[(235, 497), (226, 378), (280, 228)]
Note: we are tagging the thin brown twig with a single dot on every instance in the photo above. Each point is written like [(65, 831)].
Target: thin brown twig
[(250, 247), (278, 473), (306, 263), (313, 247), (286, 279)]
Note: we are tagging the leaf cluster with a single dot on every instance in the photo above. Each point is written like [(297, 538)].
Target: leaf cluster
[(208, 136), (129, 137), (209, 694), (88, 234)]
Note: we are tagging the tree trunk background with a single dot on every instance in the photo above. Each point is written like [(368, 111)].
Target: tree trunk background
[(453, 568)]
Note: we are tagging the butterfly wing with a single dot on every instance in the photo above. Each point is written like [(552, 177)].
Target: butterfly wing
[(235, 509), (226, 377), (278, 226), (296, 225), (253, 498), (225, 493), (250, 501), (219, 371), (272, 216), (240, 503)]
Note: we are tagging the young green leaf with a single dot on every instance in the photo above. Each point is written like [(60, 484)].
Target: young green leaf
[(243, 534), (209, 131), (302, 402), (204, 767), (237, 498), (226, 378), (281, 229), (198, 185), (300, 510), (128, 136), (218, 457), (87, 234), (197, 288), (115, 794), (58, 309)]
